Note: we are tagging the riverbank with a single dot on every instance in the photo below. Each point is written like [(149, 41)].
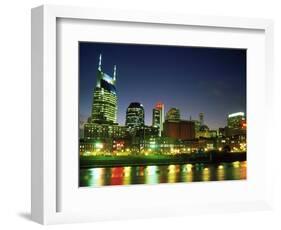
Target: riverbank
[(114, 161)]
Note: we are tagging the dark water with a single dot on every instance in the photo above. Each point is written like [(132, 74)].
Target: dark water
[(162, 174)]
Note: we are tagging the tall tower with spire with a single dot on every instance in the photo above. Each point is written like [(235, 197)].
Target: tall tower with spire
[(104, 107)]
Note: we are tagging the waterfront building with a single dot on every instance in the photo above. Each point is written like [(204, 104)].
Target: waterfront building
[(104, 107), (95, 147), (140, 139), (135, 115), (158, 117)]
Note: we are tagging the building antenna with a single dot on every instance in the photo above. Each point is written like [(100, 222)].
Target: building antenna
[(114, 73), (100, 62)]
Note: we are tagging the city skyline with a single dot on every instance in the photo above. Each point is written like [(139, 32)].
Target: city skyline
[(175, 85)]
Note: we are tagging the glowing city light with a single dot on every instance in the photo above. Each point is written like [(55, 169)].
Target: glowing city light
[(220, 167), (188, 168), (172, 168), (150, 170), (236, 164), (236, 114), (127, 171), (99, 145)]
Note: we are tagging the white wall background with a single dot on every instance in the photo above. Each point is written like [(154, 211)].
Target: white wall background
[(15, 112)]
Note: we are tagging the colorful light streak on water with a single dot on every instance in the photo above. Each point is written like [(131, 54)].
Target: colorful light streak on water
[(162, 174)]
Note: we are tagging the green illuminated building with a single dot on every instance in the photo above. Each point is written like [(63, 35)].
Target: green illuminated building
[(104, 108)]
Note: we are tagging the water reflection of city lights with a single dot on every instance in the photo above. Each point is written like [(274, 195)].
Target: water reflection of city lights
[(221, 172), (163, 174), (187, 168), (199, 166), (206, 174), (187, 175), (117, 172), (172, 173), (150, 170), (95, 176), (172, 168), (96, 172), (236, 164), (127, 171), (151, 175), (127, 175), (140, 170), (86, 177)]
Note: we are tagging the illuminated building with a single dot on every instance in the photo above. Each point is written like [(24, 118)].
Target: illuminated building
[(158, 117), (104, 108), (100, 131), (236, 120), (142, 136), (236, 124), (95, 147), (202, 130), (173, 115), (205, 132), (135, 115), (147, 131), (101, 128), (236, 132)]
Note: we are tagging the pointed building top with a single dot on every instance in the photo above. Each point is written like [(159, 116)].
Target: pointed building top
[(114, 73), (100, 61)]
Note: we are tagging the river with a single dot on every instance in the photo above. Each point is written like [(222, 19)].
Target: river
[(162, 174)]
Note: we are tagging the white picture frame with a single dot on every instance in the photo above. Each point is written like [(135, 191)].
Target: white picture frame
[(46, 169)]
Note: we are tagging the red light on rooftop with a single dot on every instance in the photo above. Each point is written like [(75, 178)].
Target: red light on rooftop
[(159, 105)]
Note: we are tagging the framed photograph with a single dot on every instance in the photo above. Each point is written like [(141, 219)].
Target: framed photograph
[(140, 114), (164, 118)]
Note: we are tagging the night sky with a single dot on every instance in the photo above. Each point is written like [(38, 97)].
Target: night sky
[(193, 79)]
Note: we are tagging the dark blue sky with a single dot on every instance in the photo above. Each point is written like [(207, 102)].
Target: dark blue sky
[(193, 79)]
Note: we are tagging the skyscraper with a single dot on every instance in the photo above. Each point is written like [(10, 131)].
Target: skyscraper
[(135, 115), (104, 108), (236, 120), (158, 117)]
